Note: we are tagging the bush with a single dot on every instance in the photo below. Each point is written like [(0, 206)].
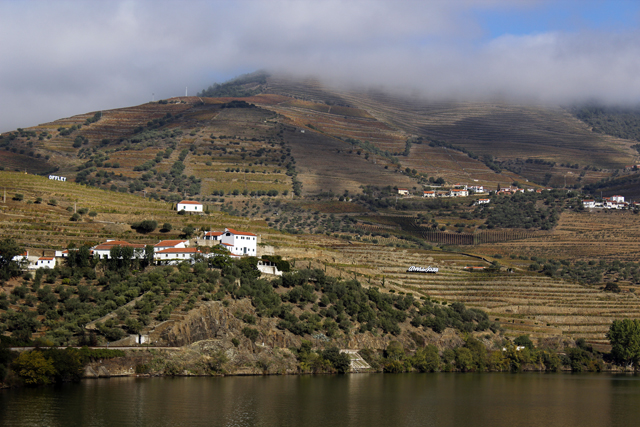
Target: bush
[(250, 333), (146, 226), (166, 227)]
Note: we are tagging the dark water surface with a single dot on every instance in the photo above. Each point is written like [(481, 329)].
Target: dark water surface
[(352, 400)]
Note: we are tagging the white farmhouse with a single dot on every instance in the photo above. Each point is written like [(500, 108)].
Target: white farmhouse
[(44, 262), (239, 242), (403, 191), (589, 203), (170, 244), (459, 192), (431, 194), (189, 206), (617, 198), (103, 250), (213, 235), (175, 255)]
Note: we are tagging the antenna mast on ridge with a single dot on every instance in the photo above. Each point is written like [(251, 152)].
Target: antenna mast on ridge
[(186, 91)]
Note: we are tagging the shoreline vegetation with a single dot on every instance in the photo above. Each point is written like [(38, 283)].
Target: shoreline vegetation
[(233, 321)]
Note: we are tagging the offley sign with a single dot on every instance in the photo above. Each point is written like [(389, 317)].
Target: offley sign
[(57, 178), (414, 269)]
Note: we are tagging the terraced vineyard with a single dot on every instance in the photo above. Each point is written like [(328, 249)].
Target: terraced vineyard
[(523, 303), (44, 226), (599, 234)]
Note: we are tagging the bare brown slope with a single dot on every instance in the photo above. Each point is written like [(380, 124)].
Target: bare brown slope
[(499, 129), (325, 164)]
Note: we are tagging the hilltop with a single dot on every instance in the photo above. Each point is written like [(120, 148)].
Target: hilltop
[(263, 133)]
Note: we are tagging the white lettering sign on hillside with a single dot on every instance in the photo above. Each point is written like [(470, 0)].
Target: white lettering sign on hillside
[(414, 269), (57, 178)]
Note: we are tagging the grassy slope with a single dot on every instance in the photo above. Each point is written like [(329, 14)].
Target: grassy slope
[(522, 301)]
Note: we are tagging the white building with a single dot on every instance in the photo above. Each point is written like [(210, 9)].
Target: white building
[(170, 244), (617, 198), (175, 255), (403, 191), (213, 235), (267, 267), (239, 242), (103, 250), (189, 206), (459, 192), (482, 201), (44, 262), (589, 203), (431, 194)]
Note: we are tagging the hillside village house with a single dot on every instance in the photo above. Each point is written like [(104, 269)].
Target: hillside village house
[(613, 202), (44, 262), (175, 255), (213, 235), (170, 244), (189, 206), (459, 192), (34, 262), (239, 242), (403, 191), (429, 194), (103, 250), (482, 201), (477, 189)]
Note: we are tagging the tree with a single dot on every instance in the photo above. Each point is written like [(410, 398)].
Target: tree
[(340, 361), (166, 227), (188, 231), (8, 267), (426, 359), (34, 368), (624, 336), (146, 226), (524, 341)]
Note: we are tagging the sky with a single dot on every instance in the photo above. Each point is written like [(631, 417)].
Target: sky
[(61, 58)]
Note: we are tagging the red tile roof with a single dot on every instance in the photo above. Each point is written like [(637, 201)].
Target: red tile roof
[(239, 233), (112, 243), (213, 233), (169, 243), (189, 202), (45, 258)]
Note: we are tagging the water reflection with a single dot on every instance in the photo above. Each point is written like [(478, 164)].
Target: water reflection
[(352, 400)]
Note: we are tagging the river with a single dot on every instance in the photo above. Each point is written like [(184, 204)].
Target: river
[(358, 400)]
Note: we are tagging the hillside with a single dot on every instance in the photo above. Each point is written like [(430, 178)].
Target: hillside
[(550, 292), (302, 137)]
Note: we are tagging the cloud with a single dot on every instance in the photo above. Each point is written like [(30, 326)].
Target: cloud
[(68, 57)]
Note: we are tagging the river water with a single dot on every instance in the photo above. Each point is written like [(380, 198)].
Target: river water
[(357, 400)]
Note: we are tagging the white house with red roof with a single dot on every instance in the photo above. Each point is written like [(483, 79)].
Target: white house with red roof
[(44, 262), (403, 191), (589, 203), (175, 255), (240, 242), (459, 192), (170, 244), (189, 206), (103, 250), (213, 235), (617, 198), (431, 194)]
